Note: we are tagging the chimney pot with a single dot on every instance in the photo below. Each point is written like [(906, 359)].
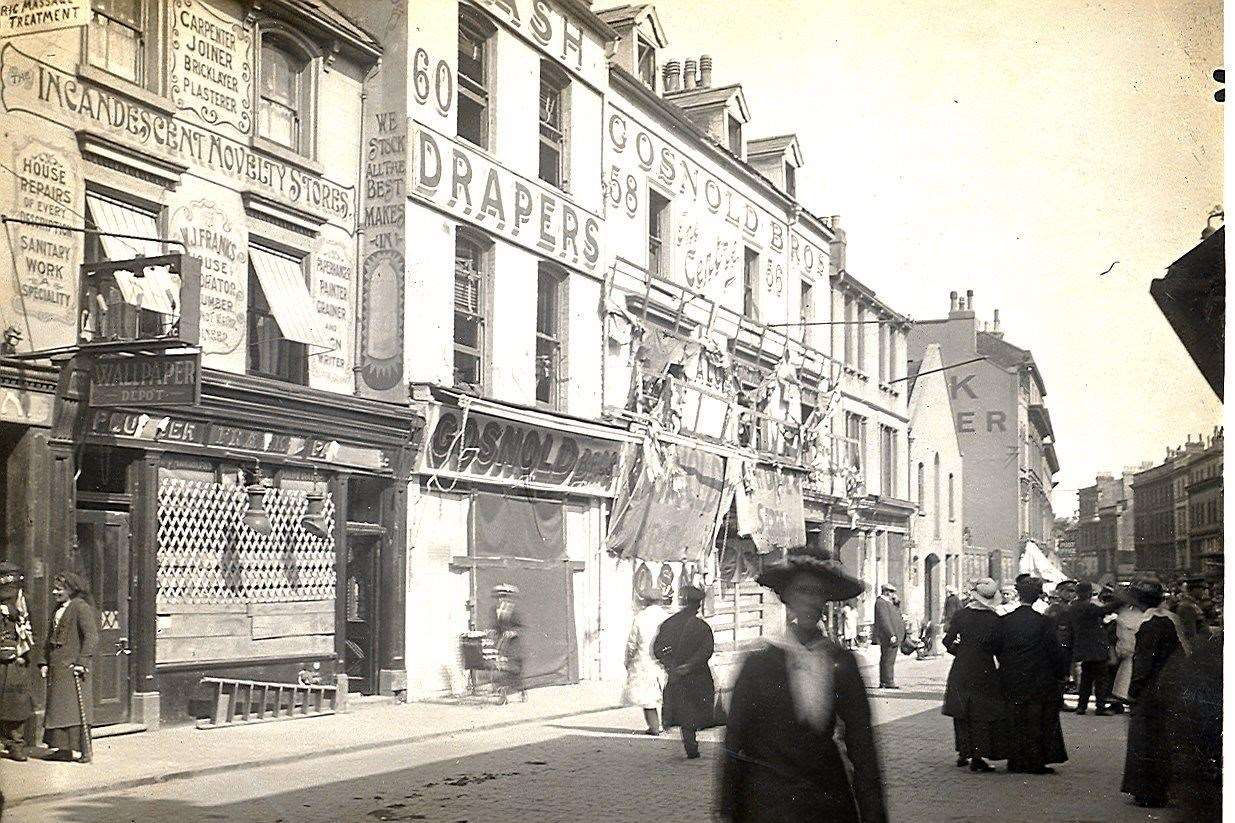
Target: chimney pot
[(705, 71), (673, 76), (690, 75), (969, 300), (952, 298)]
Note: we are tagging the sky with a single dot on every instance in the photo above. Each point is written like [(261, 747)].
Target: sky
[(1016, 149)]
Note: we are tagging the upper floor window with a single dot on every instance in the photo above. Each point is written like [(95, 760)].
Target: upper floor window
[(658, 233), (750, 284), (475, 75), (951, 498), (282, 316), (935, 498), (922, 488), (550, 327), (645, 58), (850, 325), (471, 309), (791, 180), (806, 308), (285, 94), (855, 442), (735, 135), (883, 353), (860, 330), (887, 460), (127, 307), (117, 38), (554, 88)]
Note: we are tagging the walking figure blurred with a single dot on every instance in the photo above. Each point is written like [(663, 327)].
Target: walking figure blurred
[(645, 679), (683, 646), (781, 760), (974, 696), (507, 628)]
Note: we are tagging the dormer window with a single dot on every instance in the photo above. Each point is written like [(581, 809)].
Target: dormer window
[(735, 136), (645, 58), (791, 180)]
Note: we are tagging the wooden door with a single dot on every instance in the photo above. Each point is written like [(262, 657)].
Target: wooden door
[(103, 560)]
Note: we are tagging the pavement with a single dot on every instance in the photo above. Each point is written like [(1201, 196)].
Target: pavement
[(567, 754)]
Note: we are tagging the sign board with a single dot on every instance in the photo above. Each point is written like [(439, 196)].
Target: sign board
[(482, 447), (771, 510), (146, 380), (18, 17)]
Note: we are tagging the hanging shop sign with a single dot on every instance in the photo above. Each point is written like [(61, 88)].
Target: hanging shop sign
[(125, 425), (38, 88), (670, 504), (146, 380), (467, 185), (18, 17), (770, 507), (482, 447)]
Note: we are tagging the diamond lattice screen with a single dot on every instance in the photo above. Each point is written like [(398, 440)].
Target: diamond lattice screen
[(208, 555)]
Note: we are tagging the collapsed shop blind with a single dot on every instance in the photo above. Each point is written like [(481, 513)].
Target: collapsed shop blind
[(158, 288), (283, 283), (206, 555)]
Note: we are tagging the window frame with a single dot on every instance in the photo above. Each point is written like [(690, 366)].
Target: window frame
[(791, 179), (645, 48), (128, 317), (855, 441), (850, 325), (287, 350), (806, 308), (150, 73), (479, 93), (951, 497), (935, 500), (658, 260), (556, 340), (559, 81), (733, 134), (291, 43), (484, 310)]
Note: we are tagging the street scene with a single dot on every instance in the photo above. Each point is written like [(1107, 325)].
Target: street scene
[(556, 410)]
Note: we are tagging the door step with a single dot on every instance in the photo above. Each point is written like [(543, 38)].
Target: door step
[(116, 729)]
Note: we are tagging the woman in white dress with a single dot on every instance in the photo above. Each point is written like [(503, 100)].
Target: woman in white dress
[(645, 679)]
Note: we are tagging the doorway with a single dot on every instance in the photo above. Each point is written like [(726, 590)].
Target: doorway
[(361, 630), (103, 560)]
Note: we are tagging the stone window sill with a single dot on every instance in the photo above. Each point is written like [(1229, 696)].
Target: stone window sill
[(126, 88)]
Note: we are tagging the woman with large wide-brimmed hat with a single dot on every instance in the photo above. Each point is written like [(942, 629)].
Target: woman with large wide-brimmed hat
[(973, 697), (781, 761), (69, 655)]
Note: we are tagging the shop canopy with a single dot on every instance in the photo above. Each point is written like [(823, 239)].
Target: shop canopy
[(156, 288), (288, 297)]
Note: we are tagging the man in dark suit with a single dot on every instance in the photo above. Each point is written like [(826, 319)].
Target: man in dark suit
[(1032, 665), (683, 645), (1091, 648), (889, 632)]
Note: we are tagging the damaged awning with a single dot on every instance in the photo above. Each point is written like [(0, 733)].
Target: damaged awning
[(156, 288)]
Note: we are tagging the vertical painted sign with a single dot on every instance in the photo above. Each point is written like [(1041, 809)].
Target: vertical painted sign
[(333, 278), (212, 66), (217, 237)]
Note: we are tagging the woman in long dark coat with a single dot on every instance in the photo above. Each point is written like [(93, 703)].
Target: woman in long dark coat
[(683, 645), (781, 759), (974, 696), (16, 642), (69, 654), (1147, 767)]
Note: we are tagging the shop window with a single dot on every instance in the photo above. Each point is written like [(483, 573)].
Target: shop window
[(658, 233), (550, 327), (364, 499), (472, 256), (118, 38), (276, 315), (645, 58), (554, 94), (475, 71), (750, 284), (284, 106)]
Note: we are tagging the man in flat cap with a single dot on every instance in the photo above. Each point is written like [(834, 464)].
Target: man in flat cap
[(16, 641), (889, 632), (683, 646)]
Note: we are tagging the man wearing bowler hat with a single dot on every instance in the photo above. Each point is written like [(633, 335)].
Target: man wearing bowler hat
[(889, 632), (683, 646)]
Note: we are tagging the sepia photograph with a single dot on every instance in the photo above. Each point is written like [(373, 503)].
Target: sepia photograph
[(588, 410)]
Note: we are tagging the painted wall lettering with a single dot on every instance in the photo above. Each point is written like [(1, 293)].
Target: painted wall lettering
[(212, 57), (332, 296), (382, 269), (216, 235)]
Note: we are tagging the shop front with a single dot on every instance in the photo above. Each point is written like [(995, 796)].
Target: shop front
[(506, 495), (257, 534)]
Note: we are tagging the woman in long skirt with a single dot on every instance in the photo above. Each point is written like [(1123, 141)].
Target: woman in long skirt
[(1147, 767), (974, 697), (69, 656), (645, 679)]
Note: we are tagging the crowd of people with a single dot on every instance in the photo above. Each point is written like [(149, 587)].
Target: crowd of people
[(798, 741)]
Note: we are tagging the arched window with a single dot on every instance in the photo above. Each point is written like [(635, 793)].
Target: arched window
[(935, 499), (921, 489), (475, 69), (951, 497), (285, 94)]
